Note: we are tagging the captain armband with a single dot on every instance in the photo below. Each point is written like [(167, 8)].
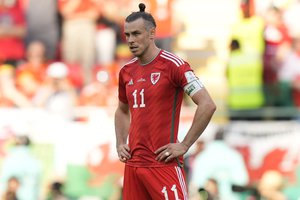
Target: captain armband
[(193, 87)]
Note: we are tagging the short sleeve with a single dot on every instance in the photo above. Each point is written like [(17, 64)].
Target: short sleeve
[(182, 75), (122, 88)]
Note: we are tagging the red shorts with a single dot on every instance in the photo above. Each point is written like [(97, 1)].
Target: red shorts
[(154, 183)]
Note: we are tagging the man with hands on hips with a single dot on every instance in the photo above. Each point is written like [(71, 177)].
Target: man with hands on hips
[(151, 88)]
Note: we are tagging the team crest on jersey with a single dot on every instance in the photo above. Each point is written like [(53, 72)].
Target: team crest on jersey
[(155, 77)]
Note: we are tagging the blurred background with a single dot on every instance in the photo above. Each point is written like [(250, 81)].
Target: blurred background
[(59, 64)]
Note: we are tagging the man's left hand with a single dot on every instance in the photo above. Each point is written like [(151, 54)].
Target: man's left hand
[(170, 151)]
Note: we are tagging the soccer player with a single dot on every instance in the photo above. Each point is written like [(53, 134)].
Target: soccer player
[(151, 90)]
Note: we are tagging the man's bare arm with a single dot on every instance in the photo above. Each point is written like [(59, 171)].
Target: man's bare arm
[(122, 122), (204, 112)]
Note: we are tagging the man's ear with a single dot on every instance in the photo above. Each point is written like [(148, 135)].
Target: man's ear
[(152, 33)]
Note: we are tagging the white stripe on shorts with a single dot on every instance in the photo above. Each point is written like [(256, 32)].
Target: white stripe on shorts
[(182, 182)]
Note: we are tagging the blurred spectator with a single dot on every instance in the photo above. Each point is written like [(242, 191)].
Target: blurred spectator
[(245, 56), (94, 94), (108, 32), (291, 16), (212, 188), (162, 11), (189, 159), (244, 74), (56, 191), (12, 32), (210, 191), (100, 92), (22, 164), (12, 188), (43, 24), (271, 185), (75, 75), (10, 96), (78, 33), (57, 95), (289, 74), (249, 30), (223, 163), (31, 73), (277, 44)]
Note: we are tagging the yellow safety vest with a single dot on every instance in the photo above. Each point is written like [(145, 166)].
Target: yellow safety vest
[(245, 81), (249, 33)]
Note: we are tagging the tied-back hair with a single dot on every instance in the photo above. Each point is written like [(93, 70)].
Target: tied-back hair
[(147, 17)]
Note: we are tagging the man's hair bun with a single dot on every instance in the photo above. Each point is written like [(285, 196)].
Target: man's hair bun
[(141, 14), (142, 7)]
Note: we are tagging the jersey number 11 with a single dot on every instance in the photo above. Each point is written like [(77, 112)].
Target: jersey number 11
[(135, 99)]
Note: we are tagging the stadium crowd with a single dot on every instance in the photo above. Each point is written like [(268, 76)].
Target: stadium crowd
[(85, 40), (37, 34), (59, 55)]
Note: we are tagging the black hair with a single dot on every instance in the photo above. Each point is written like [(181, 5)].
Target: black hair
[(234, 44), (57, 187), (149, 20)]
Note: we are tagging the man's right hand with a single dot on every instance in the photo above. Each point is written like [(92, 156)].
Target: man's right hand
[(123, 152)]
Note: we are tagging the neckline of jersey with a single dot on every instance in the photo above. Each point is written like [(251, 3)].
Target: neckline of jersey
[(154, 58)]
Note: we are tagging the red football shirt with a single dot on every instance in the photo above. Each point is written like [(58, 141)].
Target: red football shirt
[(11, 48), (154, 94)]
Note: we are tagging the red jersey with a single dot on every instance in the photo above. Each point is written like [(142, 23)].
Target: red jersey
[(154, 94), (83, 6), (11, 47)]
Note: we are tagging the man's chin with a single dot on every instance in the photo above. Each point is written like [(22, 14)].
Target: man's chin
[(135, 53)]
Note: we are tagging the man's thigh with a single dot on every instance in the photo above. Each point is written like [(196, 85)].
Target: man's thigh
[(133, 188), (159, 183)]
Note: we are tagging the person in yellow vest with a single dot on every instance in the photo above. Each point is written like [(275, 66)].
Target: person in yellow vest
[(249, 29), (244, 75)]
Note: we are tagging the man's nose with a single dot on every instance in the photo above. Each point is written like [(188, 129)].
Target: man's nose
[(130, 39)]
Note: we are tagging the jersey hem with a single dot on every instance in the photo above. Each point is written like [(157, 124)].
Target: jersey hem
[(153, 165)]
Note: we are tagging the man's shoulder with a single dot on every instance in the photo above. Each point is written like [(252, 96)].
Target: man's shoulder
[(130, 63), (171, 59), (128, 67)]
